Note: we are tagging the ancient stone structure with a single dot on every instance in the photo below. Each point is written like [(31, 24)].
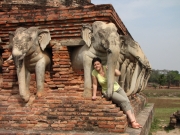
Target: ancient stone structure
[(175, 119), (63, 107)]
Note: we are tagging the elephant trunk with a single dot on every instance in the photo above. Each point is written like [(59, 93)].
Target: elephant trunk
[(111, 64), (20, 68)]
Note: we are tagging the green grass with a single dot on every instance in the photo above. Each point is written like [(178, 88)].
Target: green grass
[(166, 102), (162, 92), (163, 114), (155, 125), (164, 108)]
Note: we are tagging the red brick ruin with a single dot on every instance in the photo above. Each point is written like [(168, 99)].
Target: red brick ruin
[(62, 108)]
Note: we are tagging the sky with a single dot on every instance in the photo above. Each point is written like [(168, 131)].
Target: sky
[(155, 25)]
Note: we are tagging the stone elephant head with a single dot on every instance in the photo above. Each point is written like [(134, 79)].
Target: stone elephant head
[(102, 40), (29, 55)]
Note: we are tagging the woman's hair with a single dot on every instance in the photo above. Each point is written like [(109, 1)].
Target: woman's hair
[(96, 59)]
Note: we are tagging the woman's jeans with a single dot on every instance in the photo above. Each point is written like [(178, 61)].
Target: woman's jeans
[(120, 98)]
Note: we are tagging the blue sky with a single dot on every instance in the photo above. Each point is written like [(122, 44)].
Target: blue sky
[(155, 25)]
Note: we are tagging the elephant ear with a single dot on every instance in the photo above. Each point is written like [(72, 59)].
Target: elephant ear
[(44, 38), (87, 34)]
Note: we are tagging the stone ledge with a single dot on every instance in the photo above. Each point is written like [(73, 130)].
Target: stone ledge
[(145, 118)]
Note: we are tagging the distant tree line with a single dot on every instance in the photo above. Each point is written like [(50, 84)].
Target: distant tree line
[(165, 78)]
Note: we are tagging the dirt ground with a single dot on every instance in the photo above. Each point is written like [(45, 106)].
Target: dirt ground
[(175, 131)]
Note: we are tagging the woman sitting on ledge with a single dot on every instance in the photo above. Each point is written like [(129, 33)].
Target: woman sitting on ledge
[(119, 96)]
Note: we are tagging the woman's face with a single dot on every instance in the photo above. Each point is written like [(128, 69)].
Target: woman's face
[(97, 65)]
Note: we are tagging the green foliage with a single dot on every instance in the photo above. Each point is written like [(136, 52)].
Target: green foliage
[(165, 77), (162, 79), (155, 125), (154, 76), (154, 85), (173, 77)]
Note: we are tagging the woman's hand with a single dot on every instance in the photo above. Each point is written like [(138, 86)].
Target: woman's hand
[(94, 97), (117, 72)]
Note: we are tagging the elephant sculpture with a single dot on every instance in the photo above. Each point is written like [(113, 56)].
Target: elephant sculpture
[(102, 40), (30, 56), (134, 66)]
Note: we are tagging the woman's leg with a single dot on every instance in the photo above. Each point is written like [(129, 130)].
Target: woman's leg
[(120, 98)]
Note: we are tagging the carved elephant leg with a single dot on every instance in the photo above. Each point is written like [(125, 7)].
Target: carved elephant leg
[(139, 81), (27, 80), (134, 79), (123, 72), (40, 71), (128, 78), (121, 80), (87, 64), (146, 78)]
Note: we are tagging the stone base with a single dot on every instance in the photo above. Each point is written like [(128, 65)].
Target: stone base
[(144, 118), (68, 112)]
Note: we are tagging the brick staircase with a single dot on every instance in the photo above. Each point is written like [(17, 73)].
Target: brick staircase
[(60, 110)]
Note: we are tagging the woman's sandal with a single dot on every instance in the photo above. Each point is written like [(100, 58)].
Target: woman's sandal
[(135, 125)]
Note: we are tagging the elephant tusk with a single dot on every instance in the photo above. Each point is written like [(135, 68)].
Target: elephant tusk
[(22, 57)]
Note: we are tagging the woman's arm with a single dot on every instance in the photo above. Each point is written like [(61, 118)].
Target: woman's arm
[(94, 81), (117, 72)]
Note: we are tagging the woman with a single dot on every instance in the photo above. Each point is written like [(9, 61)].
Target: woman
[(119, 96)]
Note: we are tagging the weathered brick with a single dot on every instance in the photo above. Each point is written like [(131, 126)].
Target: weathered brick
[(106, 118), (107, 126)]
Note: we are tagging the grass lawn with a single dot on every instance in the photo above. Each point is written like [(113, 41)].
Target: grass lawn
[(162, 92), (164, 107), (166, 102)]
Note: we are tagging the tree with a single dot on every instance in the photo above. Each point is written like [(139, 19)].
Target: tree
[(177, 80), (154, 76), (173, 78), (161, 79), (165, 77)]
